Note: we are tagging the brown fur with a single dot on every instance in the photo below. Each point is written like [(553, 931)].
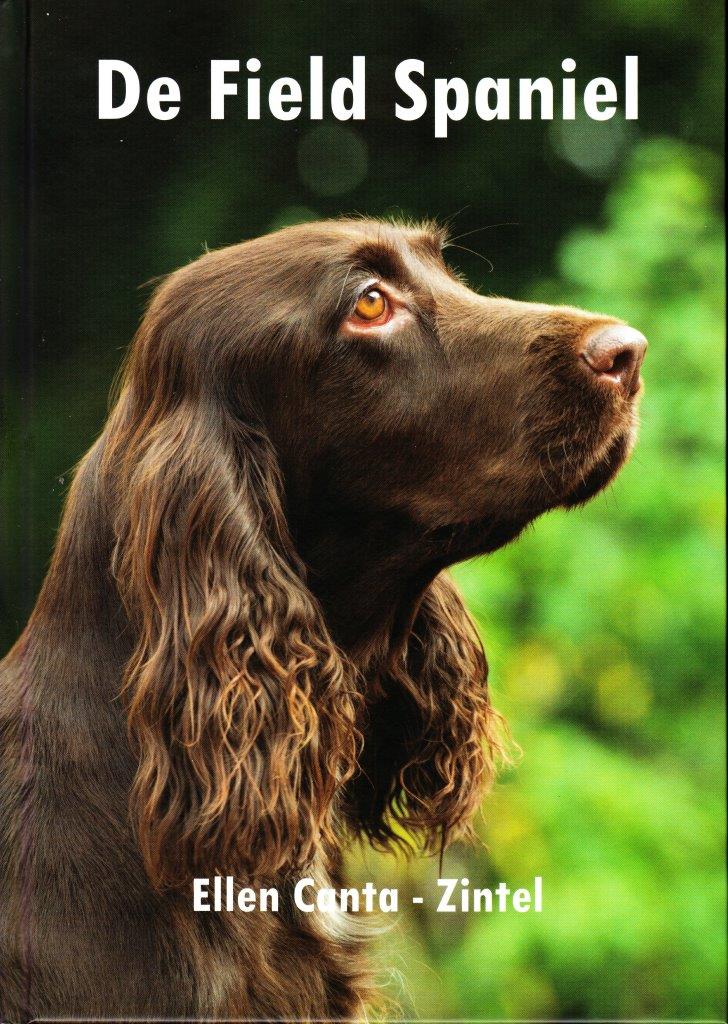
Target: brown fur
[(245, 648)]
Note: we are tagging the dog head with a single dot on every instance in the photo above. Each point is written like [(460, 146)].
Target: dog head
[(320, 416)]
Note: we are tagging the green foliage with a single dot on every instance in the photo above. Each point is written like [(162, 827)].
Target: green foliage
[(604, 629)]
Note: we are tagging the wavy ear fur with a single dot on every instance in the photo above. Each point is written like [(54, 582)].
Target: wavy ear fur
[(432, 738), (240, 708)]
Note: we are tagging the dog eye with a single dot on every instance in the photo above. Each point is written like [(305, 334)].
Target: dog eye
[(371, 305)]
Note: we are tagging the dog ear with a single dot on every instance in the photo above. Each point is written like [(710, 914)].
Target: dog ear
[(432, 739), (240, 708)]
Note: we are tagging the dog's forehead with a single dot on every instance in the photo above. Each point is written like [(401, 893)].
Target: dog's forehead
[(331, 251), (416, 240), (350, 239), (404, 254)]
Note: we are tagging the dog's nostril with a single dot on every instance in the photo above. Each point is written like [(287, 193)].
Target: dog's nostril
[(623, 360), (616, 352)]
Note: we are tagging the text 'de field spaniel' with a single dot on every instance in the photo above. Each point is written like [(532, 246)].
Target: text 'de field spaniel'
[(246, 649)]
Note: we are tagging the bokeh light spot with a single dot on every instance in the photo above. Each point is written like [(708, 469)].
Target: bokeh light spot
[(332, 159)]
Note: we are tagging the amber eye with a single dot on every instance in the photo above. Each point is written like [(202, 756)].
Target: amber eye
[(371, 305)]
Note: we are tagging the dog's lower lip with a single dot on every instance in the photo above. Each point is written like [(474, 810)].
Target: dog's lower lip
[(602, 473)]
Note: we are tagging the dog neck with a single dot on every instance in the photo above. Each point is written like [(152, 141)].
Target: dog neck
[(369, 570)]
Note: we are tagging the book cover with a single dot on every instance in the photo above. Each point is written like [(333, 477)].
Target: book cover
[(362, 565)]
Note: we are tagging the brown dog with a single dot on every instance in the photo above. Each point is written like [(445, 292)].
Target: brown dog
[(245, 648)]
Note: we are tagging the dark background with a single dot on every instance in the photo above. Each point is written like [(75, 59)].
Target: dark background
[(604, 628)]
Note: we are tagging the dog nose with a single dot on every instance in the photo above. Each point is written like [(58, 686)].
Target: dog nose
[(615, 353)]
